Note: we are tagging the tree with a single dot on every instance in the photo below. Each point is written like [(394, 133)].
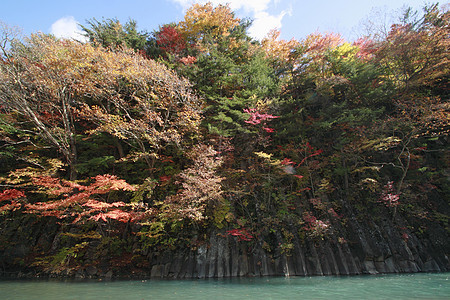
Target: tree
[(170, 40), (110, 33), (200, 186), (229, 71), (211, 47), (203, 22), (56, 85), (35, 85), (414, 56), (280, 53), (149, 108), (75, 196), (415, 52)]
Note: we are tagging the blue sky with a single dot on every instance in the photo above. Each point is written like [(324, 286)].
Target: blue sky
[(295, 18)]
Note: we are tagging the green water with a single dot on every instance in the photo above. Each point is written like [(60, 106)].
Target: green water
[(407, 286)]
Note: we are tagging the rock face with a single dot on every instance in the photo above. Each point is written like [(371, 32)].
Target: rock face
[(226, 257), (369, 247)]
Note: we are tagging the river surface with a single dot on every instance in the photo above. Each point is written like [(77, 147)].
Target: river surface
[(405, 286)]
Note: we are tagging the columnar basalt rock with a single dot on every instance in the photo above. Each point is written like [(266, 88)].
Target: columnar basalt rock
[(226, 257), (369, 248)]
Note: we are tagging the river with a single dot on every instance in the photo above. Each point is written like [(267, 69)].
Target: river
[(404, 286)]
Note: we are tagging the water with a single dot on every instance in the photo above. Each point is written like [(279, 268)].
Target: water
[(406, 286)]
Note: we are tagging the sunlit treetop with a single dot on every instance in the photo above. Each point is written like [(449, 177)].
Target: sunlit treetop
[(319, 43), (276, 48), (170, 40), (206, 19)]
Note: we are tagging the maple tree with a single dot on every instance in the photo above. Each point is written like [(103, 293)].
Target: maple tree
[(76, 202), (201, 21), (315, 228), (74, 195), (170, 40), (281, 55), (11, 194), (311, 55), (200, 185), (280, 50), (388, 196)]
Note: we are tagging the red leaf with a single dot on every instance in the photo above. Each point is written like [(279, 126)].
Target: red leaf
[(116, 214), (287, 161), (268, 129), (164, 178), (256, 117), (12, 206), (242, 234), (11, 194)]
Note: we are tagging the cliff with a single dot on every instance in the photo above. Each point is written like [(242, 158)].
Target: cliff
[(32, 247)]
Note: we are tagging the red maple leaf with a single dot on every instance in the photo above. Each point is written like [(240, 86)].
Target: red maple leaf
[(11, 194)]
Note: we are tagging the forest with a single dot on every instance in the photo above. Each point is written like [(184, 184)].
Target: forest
[(135, 144)]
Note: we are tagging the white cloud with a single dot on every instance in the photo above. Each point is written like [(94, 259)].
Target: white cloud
[(248, 5), (67, 28), (263, 21), (253, 6)]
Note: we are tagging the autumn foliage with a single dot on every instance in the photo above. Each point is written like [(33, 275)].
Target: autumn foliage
[(198, 129), (11, 196), (170, 40), (200, 20), (74, 195), (200, 185)]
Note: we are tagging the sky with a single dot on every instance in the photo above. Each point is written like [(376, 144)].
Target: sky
[(294, 18)]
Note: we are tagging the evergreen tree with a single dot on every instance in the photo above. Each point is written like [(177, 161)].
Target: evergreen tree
[(110, 33)]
